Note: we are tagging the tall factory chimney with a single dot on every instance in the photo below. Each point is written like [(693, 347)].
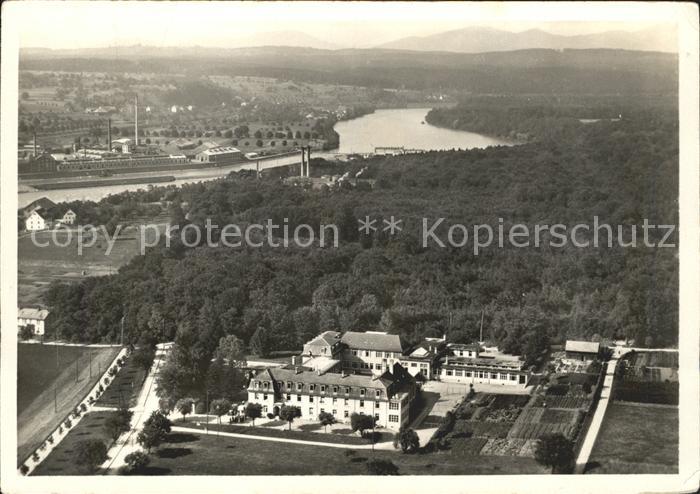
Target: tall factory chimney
[(34, 145), (136, 121), (109, 134)]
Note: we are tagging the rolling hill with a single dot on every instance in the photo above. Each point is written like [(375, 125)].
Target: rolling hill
[(486, 39)]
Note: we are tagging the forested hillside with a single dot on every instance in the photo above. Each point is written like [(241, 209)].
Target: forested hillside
[(277, 298)]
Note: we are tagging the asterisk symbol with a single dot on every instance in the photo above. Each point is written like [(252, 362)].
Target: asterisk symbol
[(367, 225), (392, 225)]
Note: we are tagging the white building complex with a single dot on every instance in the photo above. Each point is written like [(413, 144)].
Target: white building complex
[(386, 397)]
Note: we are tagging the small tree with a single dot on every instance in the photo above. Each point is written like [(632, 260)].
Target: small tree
[(253, 411), (326, 419), (184, 406), (407, 440), (361, 422), (220, 407), (117, 423), (155, 429), (89, 453), (137, 461), (26, 332), (556, 451), (289, 413), (381, 467), (144, 356), (24, 469), (472, 393)]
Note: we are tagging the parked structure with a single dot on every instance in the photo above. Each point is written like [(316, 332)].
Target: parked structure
[(35, 317), (387, 397), (582, 350)]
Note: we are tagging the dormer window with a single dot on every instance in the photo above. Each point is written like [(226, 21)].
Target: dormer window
[(299, 386), (379, 393), (323, 389), (362, 392), (311, 387), (347, 391)]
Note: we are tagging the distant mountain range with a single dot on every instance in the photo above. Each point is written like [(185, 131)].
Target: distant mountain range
[(467, 40), (484, 39)]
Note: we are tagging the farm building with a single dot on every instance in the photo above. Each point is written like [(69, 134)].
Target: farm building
[(582, 350), (68, 218), (34, 317), (37, 220)]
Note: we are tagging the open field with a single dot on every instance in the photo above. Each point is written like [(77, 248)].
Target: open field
[(39, 266), (60, 461), (38, 376), (636, 438), (199, 454)]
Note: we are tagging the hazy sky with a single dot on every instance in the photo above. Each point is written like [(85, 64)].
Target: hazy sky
[(350, 24)]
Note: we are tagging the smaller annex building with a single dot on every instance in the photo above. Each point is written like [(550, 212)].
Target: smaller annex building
[(582, 350)]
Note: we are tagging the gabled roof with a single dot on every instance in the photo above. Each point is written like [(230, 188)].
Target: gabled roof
[(330, 378), (28, 313), (372, 340), (582, 346), (42, 202), (325, 338)]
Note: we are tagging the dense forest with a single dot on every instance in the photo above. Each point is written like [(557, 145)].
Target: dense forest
[(277, 298)]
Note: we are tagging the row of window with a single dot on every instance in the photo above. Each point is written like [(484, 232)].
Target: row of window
[(378, 393), (368, 353), (481, 375), (365, 365), (346, 402)]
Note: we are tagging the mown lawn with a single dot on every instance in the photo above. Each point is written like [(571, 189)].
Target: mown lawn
[(636, 439), (61, 460), (199, 454), (303, 435), (125, 388)]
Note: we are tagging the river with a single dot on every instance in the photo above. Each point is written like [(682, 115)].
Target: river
[(404, 128), (383, 128)]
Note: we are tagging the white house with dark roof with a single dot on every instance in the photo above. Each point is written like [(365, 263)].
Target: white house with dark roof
[(34, 317), (386, 397), (370, 352)]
